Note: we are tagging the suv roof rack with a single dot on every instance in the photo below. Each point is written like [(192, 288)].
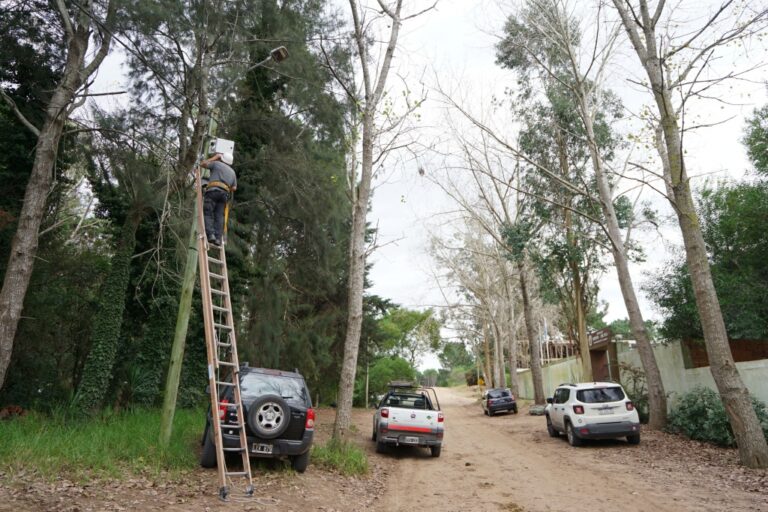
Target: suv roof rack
[(567, 384)]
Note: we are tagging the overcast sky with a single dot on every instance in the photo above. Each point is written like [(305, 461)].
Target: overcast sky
[(456, 43)]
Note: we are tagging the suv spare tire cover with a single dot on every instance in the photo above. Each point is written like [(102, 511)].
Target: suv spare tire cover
[(269, 416)]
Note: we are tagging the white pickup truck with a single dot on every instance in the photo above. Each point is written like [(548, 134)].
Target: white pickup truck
[(408, 415)]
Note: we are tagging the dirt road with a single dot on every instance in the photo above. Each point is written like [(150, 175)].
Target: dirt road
[(501, 463), (508, 462)]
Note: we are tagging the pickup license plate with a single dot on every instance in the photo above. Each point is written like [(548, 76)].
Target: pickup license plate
[(262, 448), (410, 440)]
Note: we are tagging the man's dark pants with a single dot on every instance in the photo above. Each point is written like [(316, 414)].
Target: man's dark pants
[(213, 210)]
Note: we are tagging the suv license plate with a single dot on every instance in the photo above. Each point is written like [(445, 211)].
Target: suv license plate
[(262, 448), (605, 412), (410, 440)]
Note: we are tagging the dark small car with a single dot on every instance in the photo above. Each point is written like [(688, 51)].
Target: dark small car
[(280, 420), (498, 399)]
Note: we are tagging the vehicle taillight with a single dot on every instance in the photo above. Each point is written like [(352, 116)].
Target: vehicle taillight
[(630, 406), (223, 408), (440, 417), (578, 409), (489, 402), (512, 397), (385, 413), (310, 423)]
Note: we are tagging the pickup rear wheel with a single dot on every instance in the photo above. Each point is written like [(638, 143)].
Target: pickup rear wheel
[(381, 447), (436, 449)]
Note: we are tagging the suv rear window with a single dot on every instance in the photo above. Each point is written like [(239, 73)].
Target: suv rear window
[(258, 384), (600, 395), (498, 393)]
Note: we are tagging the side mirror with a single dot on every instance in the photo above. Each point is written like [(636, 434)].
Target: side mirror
[(549, 400)]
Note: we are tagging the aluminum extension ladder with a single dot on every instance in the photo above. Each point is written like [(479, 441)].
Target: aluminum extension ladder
[(223, 363)]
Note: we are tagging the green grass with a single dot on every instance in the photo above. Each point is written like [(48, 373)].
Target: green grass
[(347, 458), (113, 445)]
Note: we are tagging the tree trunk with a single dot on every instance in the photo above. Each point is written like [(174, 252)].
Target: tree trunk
[(581, 326), (513, 381), (25, 241), (533, 344), (753, 449), (657, 399), (488, 377), (355, 285), (498, 358)]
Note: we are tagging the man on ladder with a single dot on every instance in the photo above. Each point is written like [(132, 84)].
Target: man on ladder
[(222, 184)]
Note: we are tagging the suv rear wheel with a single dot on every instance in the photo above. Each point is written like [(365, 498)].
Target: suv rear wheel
[(634, 439), (573, 439), (300, 462), (208, 455)]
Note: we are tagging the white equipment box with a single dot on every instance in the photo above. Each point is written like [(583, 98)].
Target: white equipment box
[(221, 146)]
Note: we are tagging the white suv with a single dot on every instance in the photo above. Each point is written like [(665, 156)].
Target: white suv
[(594, 410)]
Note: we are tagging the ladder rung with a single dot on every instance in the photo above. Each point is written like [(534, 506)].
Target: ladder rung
[(219, 308), (222, 383), (230, 425), (226, 363), (218, 292), (225, 345), (222, 326), (233, 449), (216, 276), (215, 260), (228, 405), (236, 473)]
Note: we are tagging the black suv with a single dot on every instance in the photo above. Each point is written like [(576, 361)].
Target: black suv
[(280, 421)]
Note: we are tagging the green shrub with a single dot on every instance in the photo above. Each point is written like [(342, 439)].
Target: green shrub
[(700, 415), (345, 457)]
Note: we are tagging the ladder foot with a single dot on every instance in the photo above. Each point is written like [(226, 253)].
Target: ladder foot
[(224, 493), (249, 490)]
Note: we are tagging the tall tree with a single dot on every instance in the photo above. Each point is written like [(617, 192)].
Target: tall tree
[(692, 53), (373, 151), (546, 40), (81, 26)]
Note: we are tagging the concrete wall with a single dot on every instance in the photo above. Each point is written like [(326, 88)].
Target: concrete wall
[(677, 379)]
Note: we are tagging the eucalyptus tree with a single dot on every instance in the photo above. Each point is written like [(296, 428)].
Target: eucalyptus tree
[(678, 66), (545, 40), (84, 38)]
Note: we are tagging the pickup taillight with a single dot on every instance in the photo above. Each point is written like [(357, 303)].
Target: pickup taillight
[(440, 417), (385, 413)]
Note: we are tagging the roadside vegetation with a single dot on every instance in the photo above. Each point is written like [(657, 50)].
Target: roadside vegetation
[(115, 445), (344, 457)]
